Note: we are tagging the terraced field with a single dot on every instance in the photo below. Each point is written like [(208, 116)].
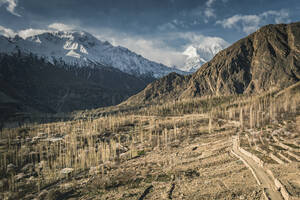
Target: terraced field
[(278, 148), (168, 161)]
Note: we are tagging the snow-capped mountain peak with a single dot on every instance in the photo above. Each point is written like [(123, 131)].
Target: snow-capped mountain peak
[(191, 52), (202, 52), (83, 49)]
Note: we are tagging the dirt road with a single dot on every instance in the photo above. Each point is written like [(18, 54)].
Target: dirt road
[(265, 180)]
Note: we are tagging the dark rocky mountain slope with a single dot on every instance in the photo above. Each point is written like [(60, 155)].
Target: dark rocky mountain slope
[(29, 84), (267, 59)]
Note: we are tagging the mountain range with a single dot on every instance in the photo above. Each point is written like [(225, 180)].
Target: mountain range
[(267, 59), (59, 71), (66, 71), (80, 49)]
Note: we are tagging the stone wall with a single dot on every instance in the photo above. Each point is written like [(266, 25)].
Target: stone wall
[(247, 165), (276, 158), (279, 185), (254, 157)]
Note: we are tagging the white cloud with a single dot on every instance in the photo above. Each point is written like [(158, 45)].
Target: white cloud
[(61, 27), (209, 3), (7, 32), (31, 32), (153, 49), (279, 17), (10, 6), (209, 12), (158, 49), (202, 40), (54, 26), (204, 12), (250, 23)]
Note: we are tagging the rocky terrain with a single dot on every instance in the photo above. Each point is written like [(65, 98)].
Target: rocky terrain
[(265, 60)]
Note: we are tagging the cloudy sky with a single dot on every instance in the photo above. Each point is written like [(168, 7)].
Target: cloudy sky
[(157, 29)]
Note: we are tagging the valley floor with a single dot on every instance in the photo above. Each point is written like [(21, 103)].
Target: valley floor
[(232, 153), (188, 163)]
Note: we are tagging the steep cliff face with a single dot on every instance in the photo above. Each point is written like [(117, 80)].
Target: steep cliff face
[(267, 59)]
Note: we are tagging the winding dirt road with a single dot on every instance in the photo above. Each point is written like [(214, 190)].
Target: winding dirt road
[(265, 180)]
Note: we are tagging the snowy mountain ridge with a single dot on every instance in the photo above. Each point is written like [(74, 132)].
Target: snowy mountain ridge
[(83, 49)]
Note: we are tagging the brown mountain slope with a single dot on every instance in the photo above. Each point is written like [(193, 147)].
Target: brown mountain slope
[(166, 87), (267, 59)]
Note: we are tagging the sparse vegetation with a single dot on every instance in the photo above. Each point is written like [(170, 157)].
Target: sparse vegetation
[(182, 145)]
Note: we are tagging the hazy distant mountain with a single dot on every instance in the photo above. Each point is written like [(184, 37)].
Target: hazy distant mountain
[(267, 59), (82, 49)]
